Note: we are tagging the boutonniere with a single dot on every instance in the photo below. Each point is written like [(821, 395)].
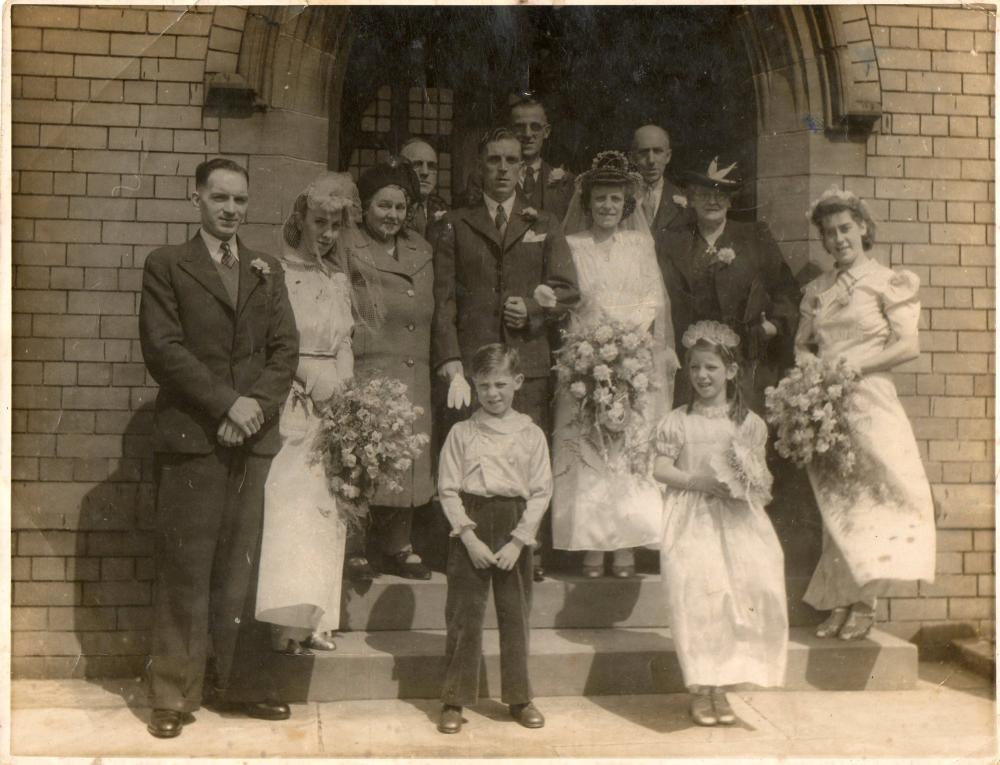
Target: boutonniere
[(439, 214), (680, 200), (556, 175), (725, 256), (530, 214), (260, 266)]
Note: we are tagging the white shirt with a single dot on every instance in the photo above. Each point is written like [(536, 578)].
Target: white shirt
[(214, 245), (492, 205), (655, 193)]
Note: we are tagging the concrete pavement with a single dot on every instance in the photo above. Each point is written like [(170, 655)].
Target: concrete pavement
[(951, 713)]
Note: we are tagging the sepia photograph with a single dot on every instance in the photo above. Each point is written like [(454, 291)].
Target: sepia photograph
[(522, 380)]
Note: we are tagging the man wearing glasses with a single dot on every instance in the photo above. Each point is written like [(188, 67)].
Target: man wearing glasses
[(542, 186)]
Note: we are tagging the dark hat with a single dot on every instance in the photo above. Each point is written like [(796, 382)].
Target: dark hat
[(394, 172), (611, 167), (718, 175)]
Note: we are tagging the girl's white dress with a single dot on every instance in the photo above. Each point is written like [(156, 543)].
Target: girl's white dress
[(302, 552), (720, 561), (593, 506), (869, 539)]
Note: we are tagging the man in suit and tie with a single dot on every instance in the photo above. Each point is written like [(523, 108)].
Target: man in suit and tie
[(430, 207), (218, 336), (663, 203), (489, 260), (543, 187)]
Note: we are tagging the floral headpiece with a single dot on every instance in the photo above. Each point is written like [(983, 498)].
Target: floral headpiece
[(838, 197), (611, 166), (712, 332), (334, 192)]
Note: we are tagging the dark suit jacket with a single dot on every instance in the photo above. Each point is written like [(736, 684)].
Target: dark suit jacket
[(669, 214), (427, 213), (204, 353), (475, 272), (757, 280)]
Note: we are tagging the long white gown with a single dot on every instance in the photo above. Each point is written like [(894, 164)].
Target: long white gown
[(302, 552), (593, 506), (721, 563), (870, 539)]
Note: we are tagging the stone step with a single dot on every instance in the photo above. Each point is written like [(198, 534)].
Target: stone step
[(560, 602), (569, 662)]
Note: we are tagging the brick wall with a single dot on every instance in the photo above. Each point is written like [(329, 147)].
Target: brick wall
[(107, 129), (930, 173)]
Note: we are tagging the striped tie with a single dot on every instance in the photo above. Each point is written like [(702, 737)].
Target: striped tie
[(228, 259)]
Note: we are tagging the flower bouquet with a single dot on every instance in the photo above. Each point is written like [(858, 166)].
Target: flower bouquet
[(607, 368), (743, 468), (366, 441)]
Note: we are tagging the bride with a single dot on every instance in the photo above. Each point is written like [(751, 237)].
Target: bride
[(595, 508), (302, 551)]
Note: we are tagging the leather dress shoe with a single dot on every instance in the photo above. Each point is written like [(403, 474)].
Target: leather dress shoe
[(166, 723), (358, 569), (266, 710), (451, 719), (527, 714), (399, 565), (538, 573)]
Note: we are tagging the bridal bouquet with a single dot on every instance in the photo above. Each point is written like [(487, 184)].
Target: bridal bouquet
[(811, 411), (366, 441), (607, 369)]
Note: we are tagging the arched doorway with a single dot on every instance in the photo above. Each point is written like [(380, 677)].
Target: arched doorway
[(601, 71)]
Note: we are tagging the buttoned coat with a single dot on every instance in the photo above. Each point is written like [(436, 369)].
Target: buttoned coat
[(400, 290), (476, 268), (551, 194), (670, 213), (205, 353)]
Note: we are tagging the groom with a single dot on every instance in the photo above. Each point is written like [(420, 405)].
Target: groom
[(489, 258), (218, 335)]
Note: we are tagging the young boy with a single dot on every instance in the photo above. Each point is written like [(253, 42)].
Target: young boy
[(494, 483)]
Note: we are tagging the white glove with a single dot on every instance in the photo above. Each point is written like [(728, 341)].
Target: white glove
[(544, 296), (459, 393)]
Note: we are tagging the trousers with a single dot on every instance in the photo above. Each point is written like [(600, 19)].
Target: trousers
[(209, 513), (465, 607)]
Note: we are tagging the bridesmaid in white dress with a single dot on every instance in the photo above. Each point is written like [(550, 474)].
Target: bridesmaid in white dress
[(867, 314), (596, 508), (302, 551)]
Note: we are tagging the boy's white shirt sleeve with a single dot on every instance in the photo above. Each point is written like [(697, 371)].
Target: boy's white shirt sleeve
[(450, 475), (539, 488)]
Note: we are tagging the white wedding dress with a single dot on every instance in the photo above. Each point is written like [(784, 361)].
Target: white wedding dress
[(595, 507), (302, 552)]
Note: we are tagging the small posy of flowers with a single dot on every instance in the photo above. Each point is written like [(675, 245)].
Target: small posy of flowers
[(366, 441), (261, 266), (680, 200), (606, 367), (530, 214), (556, 175), (743, 468), (439, 214), (726, 255), (811, 410)]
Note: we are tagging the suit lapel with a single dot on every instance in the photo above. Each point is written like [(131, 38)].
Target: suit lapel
[(516, 226), (249, 279), (668, 210), (199, 264), (541, 186), (680, 255), (411, 257), (375, 254), (479, 219)]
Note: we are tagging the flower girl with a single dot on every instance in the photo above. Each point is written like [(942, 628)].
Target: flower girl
[(721, 563)]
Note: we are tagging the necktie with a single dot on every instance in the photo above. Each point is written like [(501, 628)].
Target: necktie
[(501, 219), (528, 186), (648, 205), (228, 259)]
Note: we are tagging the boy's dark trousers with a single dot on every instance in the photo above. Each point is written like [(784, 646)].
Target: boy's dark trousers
[(468, 589)]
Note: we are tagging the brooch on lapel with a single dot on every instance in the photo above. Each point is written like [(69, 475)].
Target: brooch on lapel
[(723, 256), (680, 200), (260, 266)]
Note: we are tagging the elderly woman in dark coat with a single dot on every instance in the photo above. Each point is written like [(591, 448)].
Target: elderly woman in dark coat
[(393, 277)]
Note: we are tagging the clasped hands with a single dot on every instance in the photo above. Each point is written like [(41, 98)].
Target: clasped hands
[(709, 485), (483, 557), (243, 420)]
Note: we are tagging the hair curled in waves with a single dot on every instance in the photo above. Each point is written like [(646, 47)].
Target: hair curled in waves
[(587, 188), (834, 201), (495, 357), (734, 390)]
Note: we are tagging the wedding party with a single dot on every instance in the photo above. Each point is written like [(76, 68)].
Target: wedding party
[(468, 366)]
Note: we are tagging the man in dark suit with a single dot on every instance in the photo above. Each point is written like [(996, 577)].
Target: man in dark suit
[(543, 187), (218, 335), (723, 270), (663, 203), (489, 261), (430, 207)]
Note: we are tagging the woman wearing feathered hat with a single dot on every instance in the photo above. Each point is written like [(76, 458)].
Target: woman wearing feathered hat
[(723, 270), (595, 507), (302, 551), (393, 278)]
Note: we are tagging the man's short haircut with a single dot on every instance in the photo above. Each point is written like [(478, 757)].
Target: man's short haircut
[(494, 135), (525, 101), (417, 139), (209, 166), (495, 357)]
